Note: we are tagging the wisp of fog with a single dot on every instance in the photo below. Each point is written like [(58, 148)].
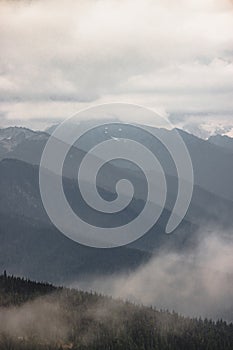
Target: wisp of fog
[(199, 283)]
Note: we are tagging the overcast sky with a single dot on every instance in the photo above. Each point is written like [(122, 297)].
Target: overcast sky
[(174, 56)]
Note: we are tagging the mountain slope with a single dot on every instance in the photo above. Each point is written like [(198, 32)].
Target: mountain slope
[(43, 252), (31, 246), (39, 316), (213, 165), (22, 143), (223, 141)]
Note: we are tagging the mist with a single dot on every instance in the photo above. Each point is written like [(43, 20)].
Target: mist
[(195, 284), (41, 318)]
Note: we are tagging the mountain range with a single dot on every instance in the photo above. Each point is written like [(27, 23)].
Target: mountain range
[(30, 244)]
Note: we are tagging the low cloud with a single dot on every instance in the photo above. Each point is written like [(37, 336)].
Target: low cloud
[(198, 283), (41, 319)]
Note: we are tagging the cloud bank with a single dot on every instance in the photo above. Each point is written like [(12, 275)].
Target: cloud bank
[(61, 56), (198, 283)]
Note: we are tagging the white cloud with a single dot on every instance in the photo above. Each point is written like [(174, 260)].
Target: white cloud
[(205, 125), (173, 55), (195, 283)]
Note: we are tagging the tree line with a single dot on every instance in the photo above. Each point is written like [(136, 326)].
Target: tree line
[(41, 316)]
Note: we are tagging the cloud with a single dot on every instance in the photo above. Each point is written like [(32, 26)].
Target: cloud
[(174, 55), (205, 125), (42, 318), (197, 283)]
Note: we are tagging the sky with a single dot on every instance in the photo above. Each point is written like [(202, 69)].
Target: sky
[(175, 57)]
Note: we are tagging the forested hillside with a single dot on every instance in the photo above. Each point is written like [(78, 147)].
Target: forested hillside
[(41, 316)]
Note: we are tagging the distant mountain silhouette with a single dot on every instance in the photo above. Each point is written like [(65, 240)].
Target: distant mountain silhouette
[(223, 141)]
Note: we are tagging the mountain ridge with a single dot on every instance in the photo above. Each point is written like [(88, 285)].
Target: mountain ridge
[(20, 197)]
